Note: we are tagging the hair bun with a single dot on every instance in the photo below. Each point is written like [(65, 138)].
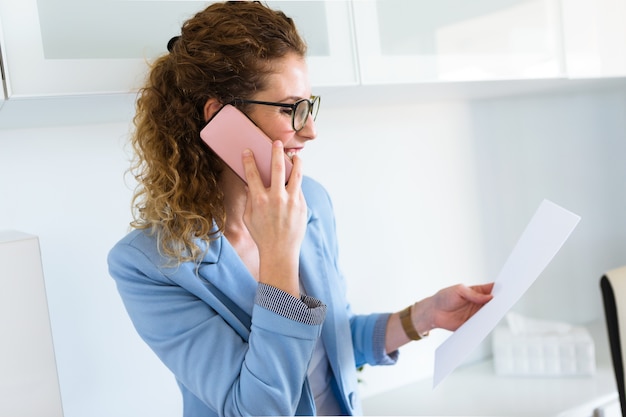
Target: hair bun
[(171, 42)]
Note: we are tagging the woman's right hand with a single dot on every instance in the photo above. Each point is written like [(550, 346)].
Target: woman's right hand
[(276, 219)]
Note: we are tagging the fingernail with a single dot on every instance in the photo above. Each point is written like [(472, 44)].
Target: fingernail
[(247, 152)]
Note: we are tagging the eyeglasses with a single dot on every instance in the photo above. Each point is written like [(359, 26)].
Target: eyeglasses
[(300, 110)]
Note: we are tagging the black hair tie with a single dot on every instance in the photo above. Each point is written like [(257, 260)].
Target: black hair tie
[(170, 44)]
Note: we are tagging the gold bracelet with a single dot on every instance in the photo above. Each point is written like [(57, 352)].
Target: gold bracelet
[(407, 325)]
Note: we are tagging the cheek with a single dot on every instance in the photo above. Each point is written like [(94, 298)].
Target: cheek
[(278, 130), (275, 125), (284, 137)]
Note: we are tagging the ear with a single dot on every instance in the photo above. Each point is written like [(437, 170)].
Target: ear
[(211, 107)]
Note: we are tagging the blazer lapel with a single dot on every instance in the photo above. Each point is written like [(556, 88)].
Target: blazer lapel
[(223, 268), (318, 273), (222, 281)]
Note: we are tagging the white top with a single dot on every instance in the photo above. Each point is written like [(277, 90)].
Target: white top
[(320, 375)]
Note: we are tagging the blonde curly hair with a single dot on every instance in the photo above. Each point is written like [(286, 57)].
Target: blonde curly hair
[(223, 52)]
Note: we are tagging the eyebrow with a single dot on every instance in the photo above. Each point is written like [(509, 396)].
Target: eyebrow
[(294, 98), (291, 98)]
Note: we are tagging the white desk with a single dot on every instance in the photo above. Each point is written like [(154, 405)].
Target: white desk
[(475, 390)]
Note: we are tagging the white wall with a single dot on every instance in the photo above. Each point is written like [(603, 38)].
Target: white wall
[(426, 194)]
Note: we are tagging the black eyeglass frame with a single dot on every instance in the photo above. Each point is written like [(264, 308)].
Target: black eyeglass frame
[(312, 106)]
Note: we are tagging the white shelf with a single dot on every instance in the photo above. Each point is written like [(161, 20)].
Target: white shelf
[(398, 94), (119, 108)]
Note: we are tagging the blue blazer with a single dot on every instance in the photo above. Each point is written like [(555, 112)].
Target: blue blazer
[(229, 363)]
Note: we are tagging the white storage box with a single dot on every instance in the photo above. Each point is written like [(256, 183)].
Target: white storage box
[(563, 353)]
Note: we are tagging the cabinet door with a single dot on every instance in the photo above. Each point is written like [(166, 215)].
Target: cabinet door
[(59, 47), (3, 86), (327, 27), (595, 38), (457, 40)]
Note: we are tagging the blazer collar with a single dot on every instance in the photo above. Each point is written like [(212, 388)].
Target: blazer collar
[(222, 267)]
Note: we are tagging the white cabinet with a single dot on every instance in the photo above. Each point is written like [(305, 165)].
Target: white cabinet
[(66, 47), (59, 47), (595, 38), (402, 41), (29, 380)]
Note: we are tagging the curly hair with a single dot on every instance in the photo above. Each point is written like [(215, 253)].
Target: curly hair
[(223, 52)]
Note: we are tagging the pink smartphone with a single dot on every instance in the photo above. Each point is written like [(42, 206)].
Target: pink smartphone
[(229, 132)]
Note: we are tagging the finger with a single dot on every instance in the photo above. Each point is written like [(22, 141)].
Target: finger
[(479, 294), (487, 288), (278, 165), (483, 288), (247, 213), (253, 178), (295, 178)]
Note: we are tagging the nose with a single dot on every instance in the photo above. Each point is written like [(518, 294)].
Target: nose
[(309, 132)]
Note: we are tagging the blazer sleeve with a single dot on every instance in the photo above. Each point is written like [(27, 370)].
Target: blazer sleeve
[(208, 357)]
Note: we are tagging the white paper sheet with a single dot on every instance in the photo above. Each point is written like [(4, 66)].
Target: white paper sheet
[(545, 234)]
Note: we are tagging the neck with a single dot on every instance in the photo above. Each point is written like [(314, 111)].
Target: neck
[(235, 197)]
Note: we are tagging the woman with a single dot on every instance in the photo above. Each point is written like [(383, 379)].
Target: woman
[(235, 286)]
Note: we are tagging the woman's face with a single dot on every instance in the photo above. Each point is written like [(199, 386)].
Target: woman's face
[(287, 84)]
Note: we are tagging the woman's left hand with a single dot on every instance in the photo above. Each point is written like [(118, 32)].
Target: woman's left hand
[(453, 306), (448, 309)]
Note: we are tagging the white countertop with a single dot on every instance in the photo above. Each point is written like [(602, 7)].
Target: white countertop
[(475, 390)]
